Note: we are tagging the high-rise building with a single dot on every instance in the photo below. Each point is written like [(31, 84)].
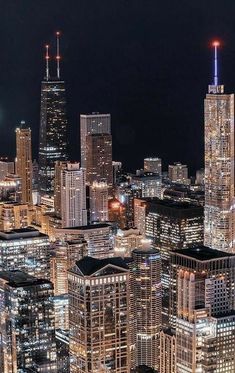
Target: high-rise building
[(150, 184), (59, 167), (24, 162), (172, 225), (73, 196), (167, 351), (178, 173), (6, 168), (27, 330), (27, 250), (99, 298), (202, 303), (94, 123), (53, 136), (98, 237), (99, 202), (147, 305), (153, 165), (126, 240), (219, 166), (99, 158), (117, 167), (140, 214), (13, 216)]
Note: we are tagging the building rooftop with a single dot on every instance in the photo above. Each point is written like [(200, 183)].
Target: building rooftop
[(146, 250), (88, 227), (13, 234), (19, 278), (89, 265), (203, 253)]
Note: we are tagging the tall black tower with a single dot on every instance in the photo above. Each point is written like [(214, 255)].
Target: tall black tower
[(53, 136)]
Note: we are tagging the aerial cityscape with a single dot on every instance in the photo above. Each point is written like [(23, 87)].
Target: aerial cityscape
[(105, 268)]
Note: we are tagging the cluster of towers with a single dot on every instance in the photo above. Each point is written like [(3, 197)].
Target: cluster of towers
[(105, 271)]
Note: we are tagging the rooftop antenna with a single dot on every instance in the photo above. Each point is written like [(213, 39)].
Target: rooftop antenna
[(216, 44), (47, 61), (58, 53)]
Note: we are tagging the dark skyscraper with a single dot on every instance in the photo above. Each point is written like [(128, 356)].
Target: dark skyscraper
[(53, 126)]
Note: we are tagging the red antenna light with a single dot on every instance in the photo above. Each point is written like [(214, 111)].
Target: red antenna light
[(58, 57)]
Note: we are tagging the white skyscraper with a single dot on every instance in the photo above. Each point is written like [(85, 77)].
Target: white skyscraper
[(94, 123), (219, 166), (73, 196), (99, 202)]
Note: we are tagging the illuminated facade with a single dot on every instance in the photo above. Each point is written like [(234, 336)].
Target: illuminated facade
[(140, 214), (99, 158), (59, 167), (98, 237), (24, 162), (53, 142), (94, 123), (178, 173), (172, 225), (202, 302), (73, 196), (99, 202), (167, 351), (6, 168), (99, 316), (13, 216), (27, 324), (27, 250), (219, 168), (147, 305), (153, 165), (150, 185), (126, 240)]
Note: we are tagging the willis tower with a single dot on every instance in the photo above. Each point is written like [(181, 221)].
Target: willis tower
[(53, 137)]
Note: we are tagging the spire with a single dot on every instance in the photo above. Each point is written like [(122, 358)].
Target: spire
[(58, 53), (47, 62), (215, 44)]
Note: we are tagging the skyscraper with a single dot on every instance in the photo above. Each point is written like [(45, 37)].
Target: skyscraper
[(94, 123), (53, 136), (153, 165), (99, 316), (27, 328), (24, 161), (99, 202), (178, 173), (147, 305), (202, 299), (219, 166), (73, 196), (99, 158)]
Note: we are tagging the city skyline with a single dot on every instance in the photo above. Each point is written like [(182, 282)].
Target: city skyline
[(137, 89)]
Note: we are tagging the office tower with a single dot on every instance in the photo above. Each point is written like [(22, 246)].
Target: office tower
[(24, 162), (167, 351), (27, 250), (172, 226), (150, 184), (63, 257), (53, 136), (99, 202), (27, 323), (98, 236), (126, 240), (99, 316), (59, 167), (219, 166), (126, 195), (6, 168), (178, 173), (202, 306), (147, 305), (94, 123), (73, 196), (153, 165), (117, 213), (140, 214), (99, 158), (13, 216), (11, 189), (117, 167)]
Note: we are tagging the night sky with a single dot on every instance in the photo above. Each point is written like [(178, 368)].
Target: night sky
[(146, 62)]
